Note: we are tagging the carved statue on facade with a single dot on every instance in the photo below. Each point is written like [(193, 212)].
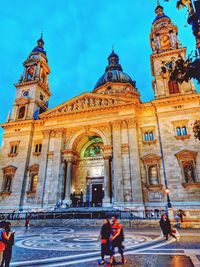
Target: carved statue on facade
[(189, 173)]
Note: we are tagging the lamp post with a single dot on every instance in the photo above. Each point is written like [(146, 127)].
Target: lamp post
[(169, 205)]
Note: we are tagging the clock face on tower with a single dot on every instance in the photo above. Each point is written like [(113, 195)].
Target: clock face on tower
[(25, 93)]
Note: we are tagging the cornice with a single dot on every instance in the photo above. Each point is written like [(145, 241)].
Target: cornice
[(104, 86), (89, 111), (175, 99), (16, 123), (168, 53), (28, 83)]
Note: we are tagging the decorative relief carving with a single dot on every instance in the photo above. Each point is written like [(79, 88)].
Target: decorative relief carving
[(107, 152), (131, 123), (125, 148), (69, 155), (186, 155), (50, 154), (87, 103)]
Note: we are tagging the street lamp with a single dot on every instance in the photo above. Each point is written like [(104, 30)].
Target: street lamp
[(169, 205)]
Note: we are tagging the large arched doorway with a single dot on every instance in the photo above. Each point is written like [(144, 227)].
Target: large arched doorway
[(87, 175)]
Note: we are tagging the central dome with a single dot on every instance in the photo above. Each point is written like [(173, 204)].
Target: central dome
[(114, 73), (114, 76)]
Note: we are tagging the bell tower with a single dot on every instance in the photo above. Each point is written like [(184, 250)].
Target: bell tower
[(32, 89), (166, 51)]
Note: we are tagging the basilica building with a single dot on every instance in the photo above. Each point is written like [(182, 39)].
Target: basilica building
[(104, 147)]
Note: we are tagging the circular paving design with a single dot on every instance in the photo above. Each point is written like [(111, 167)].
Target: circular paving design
[(66, 239)]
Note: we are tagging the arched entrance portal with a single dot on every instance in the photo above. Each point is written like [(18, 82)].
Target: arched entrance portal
[(87, 173)]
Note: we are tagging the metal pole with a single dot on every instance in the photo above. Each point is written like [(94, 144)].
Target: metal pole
[(169, 205)]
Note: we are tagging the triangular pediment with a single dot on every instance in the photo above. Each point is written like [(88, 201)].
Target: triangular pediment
[(87, 101)]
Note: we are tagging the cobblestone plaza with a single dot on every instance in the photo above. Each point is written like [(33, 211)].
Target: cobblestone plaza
[(79, 246)]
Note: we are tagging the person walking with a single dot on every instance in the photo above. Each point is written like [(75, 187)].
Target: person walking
[(105, 239), (7, 254), (117, 237), (166, 226), (27, 222), (3, 237)]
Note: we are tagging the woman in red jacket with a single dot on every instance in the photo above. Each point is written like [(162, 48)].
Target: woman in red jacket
[(3, 236)]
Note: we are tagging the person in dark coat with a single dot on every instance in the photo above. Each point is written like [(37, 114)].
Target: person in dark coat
[(166, 226), (7, 254), (105, 239)]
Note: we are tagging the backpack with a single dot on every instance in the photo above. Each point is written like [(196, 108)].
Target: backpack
[(1, 234)]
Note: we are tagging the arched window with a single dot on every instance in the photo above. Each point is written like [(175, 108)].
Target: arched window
[(173, 87), (151, 137), (146, 136), (153, 175), (21, 112), (184, 130), (178, 131)]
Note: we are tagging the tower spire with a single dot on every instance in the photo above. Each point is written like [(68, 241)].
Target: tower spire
[(158, 2)]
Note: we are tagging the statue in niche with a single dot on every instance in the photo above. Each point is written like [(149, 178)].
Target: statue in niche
[(30, 72), (153, 175), (189, 172)]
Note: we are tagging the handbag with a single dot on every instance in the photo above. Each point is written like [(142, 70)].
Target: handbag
[(103, 241)]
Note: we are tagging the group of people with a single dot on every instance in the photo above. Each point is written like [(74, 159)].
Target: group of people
[(167, 228), (6, 243), (111, 236)]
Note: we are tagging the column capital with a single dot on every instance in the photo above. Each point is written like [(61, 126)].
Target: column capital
[(107, 152), (59, 132), (69, 155), (124, 124), (116, 124), (125, 148), (131, 122), (46, 134)]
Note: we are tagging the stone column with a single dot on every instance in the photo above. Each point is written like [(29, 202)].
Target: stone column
[(68, 181), (43, 168), (54, 191), (134, 162), (107, 181), (69, 157), (127, 188), (117, 182)]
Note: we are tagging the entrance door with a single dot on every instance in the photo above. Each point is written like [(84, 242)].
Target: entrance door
[(97, 194)]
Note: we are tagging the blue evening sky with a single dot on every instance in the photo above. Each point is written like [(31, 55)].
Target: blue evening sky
[(78, 36)]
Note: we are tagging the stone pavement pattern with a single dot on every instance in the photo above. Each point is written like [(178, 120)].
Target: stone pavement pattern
[(79, 247)]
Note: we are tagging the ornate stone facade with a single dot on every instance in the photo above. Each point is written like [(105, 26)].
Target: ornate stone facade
[(105, 147)]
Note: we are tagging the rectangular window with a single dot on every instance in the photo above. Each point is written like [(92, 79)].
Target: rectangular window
[(38, 148), (148, 136), (14, 148)]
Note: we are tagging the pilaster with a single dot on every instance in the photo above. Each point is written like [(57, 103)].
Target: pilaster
[(107, 151), (134, 162), (54, 192), (43, 168), (117, 182)]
